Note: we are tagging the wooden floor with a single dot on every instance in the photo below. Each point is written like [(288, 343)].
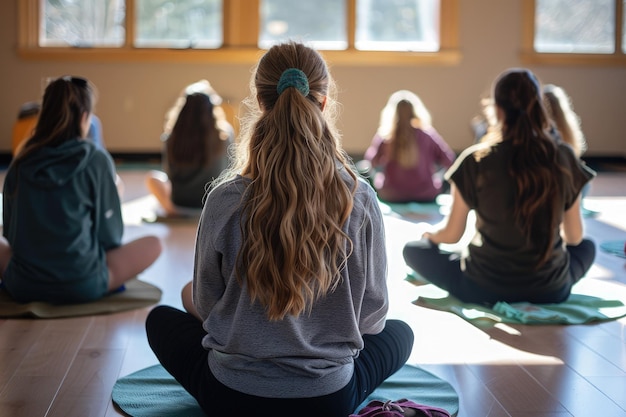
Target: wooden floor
[(67, 367)]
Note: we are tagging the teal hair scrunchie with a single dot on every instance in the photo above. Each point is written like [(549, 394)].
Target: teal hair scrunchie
[(293, 77)]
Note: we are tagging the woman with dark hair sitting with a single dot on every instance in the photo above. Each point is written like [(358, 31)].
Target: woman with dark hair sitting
[(525, 189)]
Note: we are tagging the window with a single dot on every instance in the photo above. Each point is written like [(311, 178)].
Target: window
[(383, 32), (178, 24), (575, 31), (84, 24), (319, 22), (399, 25), (157, 23), (381, 25), (623, 26)]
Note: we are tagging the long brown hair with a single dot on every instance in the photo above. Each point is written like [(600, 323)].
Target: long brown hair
[(294, 246), (196, 139), (65, 102), (534, 165)]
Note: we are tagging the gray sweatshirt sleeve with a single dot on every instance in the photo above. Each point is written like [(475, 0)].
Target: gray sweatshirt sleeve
[(375, 303), (208, 282)]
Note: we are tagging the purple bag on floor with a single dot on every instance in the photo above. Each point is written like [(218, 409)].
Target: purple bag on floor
[(400, 408)]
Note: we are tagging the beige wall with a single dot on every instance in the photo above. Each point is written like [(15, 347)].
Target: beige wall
[(135, 96)]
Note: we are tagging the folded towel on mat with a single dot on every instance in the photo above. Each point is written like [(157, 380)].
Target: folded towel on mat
[(614, 247), (589, 302)]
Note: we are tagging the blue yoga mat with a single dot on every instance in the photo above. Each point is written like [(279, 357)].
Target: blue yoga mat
[(614, 247), (153, 392)]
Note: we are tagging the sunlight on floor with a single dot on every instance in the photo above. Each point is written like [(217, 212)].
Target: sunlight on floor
[(440, 335), (134, 211), (610, 210)]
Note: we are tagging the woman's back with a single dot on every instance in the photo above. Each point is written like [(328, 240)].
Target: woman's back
[(289, 286), (521, 183), (62, 215), (500, 247), (195, 152), (190, 182), (399, 182), (524, 188), (407, 151), (239, 335), (61, 212)]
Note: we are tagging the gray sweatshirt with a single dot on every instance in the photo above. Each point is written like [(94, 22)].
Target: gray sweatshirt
[(306, 356)]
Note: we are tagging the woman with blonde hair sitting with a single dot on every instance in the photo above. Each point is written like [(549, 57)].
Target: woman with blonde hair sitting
[(407, 155)]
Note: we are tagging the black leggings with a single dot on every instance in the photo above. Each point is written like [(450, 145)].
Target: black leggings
[(175, 337), (444, 270)]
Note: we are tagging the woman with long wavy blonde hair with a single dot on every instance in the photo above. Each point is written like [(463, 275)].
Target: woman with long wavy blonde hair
[(287, 308), (525, 188)]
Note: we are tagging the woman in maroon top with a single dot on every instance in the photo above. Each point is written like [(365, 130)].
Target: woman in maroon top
[(407, 153)]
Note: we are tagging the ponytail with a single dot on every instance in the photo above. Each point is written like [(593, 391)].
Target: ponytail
[(298, 201), (534, 163), (65, 102)]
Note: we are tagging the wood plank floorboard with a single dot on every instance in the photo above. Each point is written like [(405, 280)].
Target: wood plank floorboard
[(67, 367)]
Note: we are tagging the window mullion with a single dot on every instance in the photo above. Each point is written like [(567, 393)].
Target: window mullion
[(449, 24), (130, 23), (29, 24), (241, 23), (528, 27), (351, 23), (619, 26)]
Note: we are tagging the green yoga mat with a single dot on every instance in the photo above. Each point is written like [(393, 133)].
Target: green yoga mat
[(152, 392), (137, 294), (582, 307)]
